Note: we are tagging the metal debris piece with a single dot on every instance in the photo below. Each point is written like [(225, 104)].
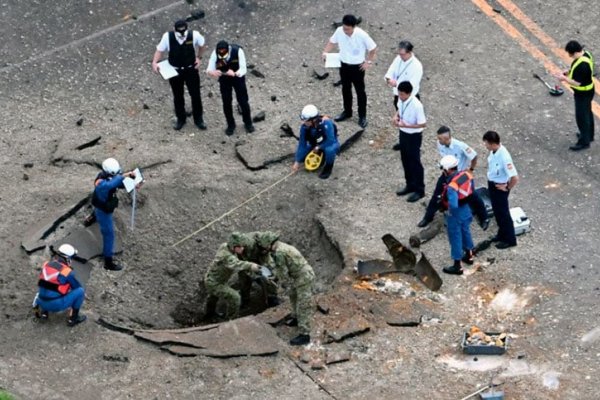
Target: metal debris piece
[(334, 357), (404, 258), (427, 274)]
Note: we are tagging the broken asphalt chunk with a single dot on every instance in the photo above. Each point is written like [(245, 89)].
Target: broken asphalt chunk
[(348, 329), (259, 117)]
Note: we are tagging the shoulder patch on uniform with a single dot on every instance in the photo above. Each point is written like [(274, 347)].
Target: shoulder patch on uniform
[(509, 166), (468, 150)]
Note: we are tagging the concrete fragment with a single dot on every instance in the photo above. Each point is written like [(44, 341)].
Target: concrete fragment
[(242, 337), (334, 357), (274, 315), (317, 364), (260, 116), (347, 329)]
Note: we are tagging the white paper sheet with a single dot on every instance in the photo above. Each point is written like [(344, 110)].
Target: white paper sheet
[(166, 70), (332, 60), (130, 184)]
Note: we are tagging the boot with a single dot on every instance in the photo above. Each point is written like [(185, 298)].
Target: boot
[(300, 340), (89, 220), (469, 257), (76, 318), (454, 269), (40, 314), (326, 172), (110, 265)]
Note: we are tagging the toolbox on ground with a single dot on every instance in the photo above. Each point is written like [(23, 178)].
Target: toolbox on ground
[(484, 348)]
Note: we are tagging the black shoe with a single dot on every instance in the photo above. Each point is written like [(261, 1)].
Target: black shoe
[(89, 220), (485, 224), (504, 245), (403, 191), (40, 314), (291, 321), (494, 239), (249, 128), (76, 319), (396, 147), (110, 265), (469, 257), (453, 270), (342, 116), (300, 340), (201, 125), (326, 171), (363, 122), (579, 146), (178, 125), (424, 222), (415, 197), (229, 130)]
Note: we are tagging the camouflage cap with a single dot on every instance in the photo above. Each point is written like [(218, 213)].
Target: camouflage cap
[(239, 239), (266, 239)]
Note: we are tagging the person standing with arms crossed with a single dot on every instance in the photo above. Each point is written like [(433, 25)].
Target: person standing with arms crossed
[(502, 177), (581, 79), (184, 48), (353, 43)]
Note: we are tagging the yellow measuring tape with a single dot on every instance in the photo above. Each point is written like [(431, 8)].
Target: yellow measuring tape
[(233, 209)]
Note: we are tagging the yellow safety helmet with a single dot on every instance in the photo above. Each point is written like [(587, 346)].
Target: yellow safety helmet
[(313, 160)]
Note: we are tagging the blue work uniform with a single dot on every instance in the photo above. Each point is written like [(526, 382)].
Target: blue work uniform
[(458, 222), (500, 170), (49, 296), (324, 136), (464, 154), (105, 201)]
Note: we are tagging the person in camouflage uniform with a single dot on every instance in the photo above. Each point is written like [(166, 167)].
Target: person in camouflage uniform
[(226, 263), (291, 266)]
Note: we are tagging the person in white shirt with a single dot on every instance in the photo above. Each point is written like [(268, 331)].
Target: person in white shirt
[(405, 67), (410, 119), (228, 64), (502, 177), (467, 160), (353, 43), (185, 48)]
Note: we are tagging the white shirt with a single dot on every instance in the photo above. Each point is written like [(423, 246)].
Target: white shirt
[(410, 70), (353, 48), (163, 45), (500, 166), (411, 111), (462, 151), (212, 62)]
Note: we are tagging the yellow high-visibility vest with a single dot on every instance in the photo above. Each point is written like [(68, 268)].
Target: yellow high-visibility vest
[(580, 60)]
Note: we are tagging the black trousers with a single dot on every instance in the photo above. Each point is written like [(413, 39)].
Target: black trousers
[(475, 202), (499, 199), (227, 84), (410, 154), (584, 116), (191, 79), (350, 74)]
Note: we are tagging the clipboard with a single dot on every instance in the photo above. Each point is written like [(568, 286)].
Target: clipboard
[(166, 70), (332, 60), (130, 183)]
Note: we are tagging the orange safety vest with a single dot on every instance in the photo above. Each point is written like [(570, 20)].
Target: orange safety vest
[(49, 277), (462, 183)]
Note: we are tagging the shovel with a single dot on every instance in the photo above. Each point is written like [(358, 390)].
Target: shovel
[(554, 91)]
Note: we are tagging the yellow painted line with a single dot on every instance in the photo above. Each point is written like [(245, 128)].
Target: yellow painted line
[(539, 33), (514, 33)]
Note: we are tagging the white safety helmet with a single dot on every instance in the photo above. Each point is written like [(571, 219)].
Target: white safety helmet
[(448, 162), (111, 166), (309, 112), (66, 251)]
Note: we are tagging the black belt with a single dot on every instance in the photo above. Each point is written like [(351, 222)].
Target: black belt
[(351, 65)]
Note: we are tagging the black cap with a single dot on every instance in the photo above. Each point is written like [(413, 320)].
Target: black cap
[(180, 23), (222, 45)]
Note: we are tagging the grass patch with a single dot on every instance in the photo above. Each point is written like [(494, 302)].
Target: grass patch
[(5, 395)]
